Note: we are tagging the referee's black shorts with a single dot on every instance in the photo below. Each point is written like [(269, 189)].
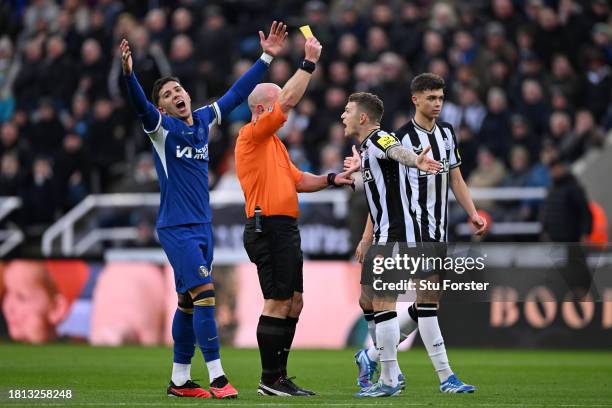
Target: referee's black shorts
[(277, 253)]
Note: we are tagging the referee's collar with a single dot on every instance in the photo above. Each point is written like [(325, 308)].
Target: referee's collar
[(362, 145)]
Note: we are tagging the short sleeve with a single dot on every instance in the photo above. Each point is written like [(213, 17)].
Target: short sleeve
[(455, 157), (163, 124), (296, 173), (381, 143), (268, 123), (208, 114)]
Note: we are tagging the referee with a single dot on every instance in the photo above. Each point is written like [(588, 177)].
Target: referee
[(270, 182)]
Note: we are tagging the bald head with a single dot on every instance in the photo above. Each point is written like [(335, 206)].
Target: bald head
[(264, 94)]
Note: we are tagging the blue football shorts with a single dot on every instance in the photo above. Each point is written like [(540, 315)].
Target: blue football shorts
[(189, 249)]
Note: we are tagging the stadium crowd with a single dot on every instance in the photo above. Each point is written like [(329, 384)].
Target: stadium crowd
[(527, 81)]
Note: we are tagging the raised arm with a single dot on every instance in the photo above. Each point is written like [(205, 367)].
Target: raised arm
[(148, 115), (241, 89), (295, 87)]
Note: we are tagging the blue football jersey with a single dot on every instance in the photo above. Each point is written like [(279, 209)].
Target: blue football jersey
[(181, 159), (181, 151)]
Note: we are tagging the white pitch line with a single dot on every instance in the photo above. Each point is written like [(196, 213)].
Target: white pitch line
[(288, 403)]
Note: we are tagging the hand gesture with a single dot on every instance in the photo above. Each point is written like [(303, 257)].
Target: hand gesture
[(352, 163), (312, 50), (126, 57), (362, 249), (345, 179), (426, 163), (479, 223), (276, 39)]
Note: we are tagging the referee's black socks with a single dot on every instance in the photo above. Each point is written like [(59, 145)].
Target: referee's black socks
[(271, 339), (290, 323)]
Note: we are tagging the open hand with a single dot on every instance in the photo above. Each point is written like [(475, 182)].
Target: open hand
[(276, 39), (426, 163), (126, 57), (362, 249), (352, 163)]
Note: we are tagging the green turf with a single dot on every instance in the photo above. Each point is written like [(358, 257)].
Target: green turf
[(137, 376)]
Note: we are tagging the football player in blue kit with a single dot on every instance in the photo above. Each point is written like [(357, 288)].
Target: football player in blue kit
[(180, 149)]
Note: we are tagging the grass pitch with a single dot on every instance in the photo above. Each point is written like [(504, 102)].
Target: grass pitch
[(137, 376)]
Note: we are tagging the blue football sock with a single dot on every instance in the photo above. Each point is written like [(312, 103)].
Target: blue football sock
[(183, 336), (204, 325)]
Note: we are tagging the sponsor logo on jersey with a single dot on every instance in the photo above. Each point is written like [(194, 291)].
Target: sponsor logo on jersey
[(445, 169), (367, 175), (190, 152)]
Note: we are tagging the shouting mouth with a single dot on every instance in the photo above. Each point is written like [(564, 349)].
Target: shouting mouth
[(181, 105)]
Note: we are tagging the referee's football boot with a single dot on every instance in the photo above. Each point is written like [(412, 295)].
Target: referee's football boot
[(189, 389), (366, 369), (289, 380), (454, 385), (280, 388), (380, 389)]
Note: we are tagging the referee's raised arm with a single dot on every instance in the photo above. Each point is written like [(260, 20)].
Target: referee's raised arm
[(295, 87)]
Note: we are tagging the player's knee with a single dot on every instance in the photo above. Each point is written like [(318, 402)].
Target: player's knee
[(194, 292), (365, 299), (185, 303), (427, 296), (204, 298), (365, 303)]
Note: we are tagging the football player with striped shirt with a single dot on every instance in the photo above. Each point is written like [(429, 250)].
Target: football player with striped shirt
[(423, 218), (180, 150), (382, 161)]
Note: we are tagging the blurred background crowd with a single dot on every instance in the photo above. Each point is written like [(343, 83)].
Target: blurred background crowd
[(528, 82)]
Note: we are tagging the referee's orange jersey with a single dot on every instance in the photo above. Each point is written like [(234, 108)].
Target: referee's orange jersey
[(266, 174)]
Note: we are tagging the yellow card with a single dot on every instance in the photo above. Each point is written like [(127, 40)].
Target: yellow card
[(306, 31)]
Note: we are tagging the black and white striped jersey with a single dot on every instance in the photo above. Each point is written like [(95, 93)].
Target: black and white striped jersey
[(425, 194), (384, 188)]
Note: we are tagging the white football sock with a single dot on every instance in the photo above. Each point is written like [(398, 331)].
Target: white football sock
[(372, 331), (181, 373), (407, 324), (373, 353), (433, 341), (387, 339), (215, 370)]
